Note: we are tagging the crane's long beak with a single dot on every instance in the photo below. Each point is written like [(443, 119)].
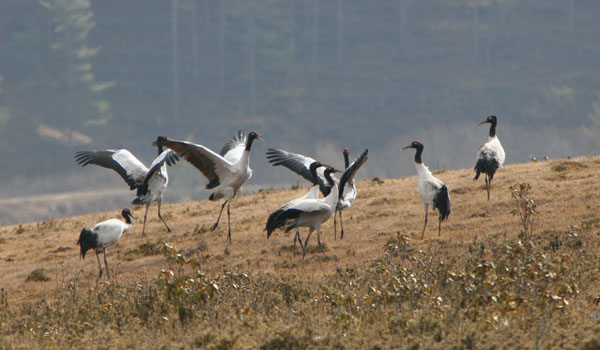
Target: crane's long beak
[(483, 122), (133, 217), (258, 136), (407, 147)]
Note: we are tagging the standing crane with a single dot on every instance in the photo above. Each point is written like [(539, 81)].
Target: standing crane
[(490, 156), (150, 183), (102, 236), (432, 190), (226, 171), (309, 213)]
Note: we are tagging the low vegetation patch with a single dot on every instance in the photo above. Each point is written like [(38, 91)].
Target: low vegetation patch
[(37, 275), (568, 165), (473, 294)]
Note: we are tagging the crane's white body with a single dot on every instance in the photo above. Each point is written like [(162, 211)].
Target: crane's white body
[(492, 149), (109, 232), (158, 181), (429, 185), (234, 172), (349, 195)]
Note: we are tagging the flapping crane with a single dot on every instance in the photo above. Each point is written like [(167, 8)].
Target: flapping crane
[(305, 167), (149, 183), (226, 171), (347, 188)]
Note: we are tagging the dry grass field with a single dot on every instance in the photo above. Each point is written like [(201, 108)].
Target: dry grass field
[(482, 285)]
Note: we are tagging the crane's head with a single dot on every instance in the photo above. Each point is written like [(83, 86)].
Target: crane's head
[(491, 119), (160, 141), (126, 212), (346, 150), (254, 135), (415, 145)]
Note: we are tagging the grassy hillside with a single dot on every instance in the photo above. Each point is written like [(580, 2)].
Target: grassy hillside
[(481, 285)]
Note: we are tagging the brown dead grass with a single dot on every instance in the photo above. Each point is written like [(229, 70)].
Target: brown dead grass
[(567, 193)]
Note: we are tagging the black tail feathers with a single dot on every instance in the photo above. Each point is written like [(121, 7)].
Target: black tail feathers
[(441, 201), (87, 240), (487, 166), (280, 218), (141, 198)]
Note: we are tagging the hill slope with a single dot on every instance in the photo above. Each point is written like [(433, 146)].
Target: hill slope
[(566, 192)]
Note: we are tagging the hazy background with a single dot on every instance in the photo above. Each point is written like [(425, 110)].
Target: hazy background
[(311, 76)]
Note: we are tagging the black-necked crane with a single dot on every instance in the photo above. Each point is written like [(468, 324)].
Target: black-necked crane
[(490, 156), (102, 236), (432, 190), (313, 193), (302, 165), (309, 213), (150, 183), (347, 189), (226, 171)]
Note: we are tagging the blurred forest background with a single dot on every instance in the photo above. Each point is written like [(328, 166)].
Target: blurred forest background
[(311, 76)]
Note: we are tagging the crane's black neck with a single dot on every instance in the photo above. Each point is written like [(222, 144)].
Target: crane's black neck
[(160, 149), (493, 128), (346, 160), (313, 171), (328, 172), (418, 154), (251, 138), (127, 217)]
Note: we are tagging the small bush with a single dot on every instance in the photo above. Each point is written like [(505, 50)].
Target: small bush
[(37, 275)]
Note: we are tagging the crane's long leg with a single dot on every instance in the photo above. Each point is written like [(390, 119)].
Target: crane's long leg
[(99, 266), (335, 224), (159, 202), (219, 218), (488, 183), (440, 226), (306, 242), (319, 240), (145, 214), (106, 264), (341, 226), (297, 238), (425, 226), (228, 222)]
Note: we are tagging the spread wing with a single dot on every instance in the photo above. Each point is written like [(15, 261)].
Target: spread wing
[(233, 149), (122, 161), (350, 172), (212, 165), (300, 165), (167, 156)]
